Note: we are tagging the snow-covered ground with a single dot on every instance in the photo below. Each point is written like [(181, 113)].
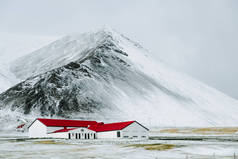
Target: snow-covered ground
[(19, 146)]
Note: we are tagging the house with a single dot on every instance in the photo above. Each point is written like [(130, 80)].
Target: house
[(80, 129), (129, 129), (56, 128)]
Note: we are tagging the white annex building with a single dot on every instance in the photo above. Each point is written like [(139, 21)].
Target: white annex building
[(79, 129)]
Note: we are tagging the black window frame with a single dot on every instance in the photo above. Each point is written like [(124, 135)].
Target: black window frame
[(118, 134)]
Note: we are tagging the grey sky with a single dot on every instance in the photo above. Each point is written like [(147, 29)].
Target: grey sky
[(199, 37)]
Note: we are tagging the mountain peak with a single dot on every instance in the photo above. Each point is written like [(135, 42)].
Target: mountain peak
[(98, 33), (106, 30), (71, 48), (97, 36), (104, 74)]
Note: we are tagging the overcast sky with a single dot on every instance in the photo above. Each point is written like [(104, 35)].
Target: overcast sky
[(199, 37)]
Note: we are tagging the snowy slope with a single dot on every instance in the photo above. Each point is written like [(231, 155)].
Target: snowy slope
[(103, 74), (7, 79), (61, 52), (13, 46)]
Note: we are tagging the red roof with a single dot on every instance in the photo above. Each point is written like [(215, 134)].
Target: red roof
[(63, 130), (66, 123), (110, 126), (92, 125), (20, 126)]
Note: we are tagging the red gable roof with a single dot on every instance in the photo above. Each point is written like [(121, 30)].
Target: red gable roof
[(66, 123), (92, 125), (110, 126), (63, 130)]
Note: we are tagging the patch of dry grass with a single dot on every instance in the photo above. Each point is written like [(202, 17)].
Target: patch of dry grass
[(81, 149), (50, 142), (213, 130), (158, 147), (170, 131), (204, 131)]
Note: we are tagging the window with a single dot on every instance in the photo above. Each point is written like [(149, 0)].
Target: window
[(85, 136), (143, 136), (76, 135), (79, 135), (126, 136), (118, 134), (135, 136), (69, 136), (94, 136), (88, 136)]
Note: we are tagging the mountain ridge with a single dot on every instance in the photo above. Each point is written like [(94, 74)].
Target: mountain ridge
[(110, 76), (73, 45)]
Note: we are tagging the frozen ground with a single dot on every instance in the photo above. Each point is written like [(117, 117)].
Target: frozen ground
[(19, 146)]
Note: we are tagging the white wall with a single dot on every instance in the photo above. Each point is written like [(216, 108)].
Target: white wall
[(135, 130), (107, 135), (37, 130), (63, 135)]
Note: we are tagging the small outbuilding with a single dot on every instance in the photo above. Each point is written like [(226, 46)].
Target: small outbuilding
[(128, 129), (80, 129)]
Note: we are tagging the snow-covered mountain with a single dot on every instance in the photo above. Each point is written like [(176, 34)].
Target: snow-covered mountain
[(104, 75)]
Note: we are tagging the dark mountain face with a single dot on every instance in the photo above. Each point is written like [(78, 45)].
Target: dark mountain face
[(52, 93), (62, 91), (83, 86)]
